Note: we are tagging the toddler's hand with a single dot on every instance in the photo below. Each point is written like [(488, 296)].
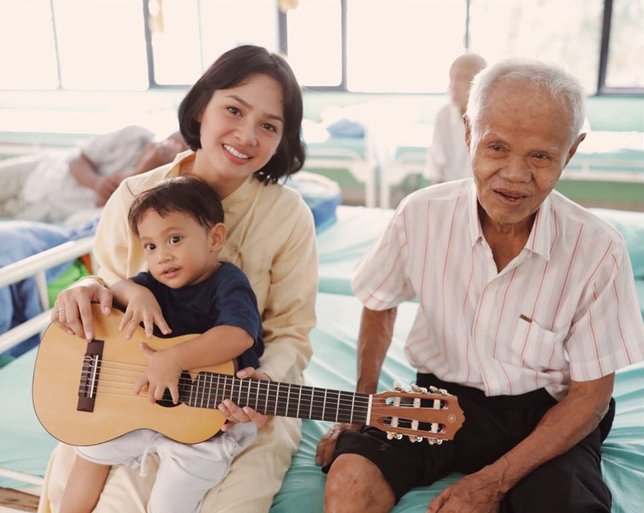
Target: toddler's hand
[(143, 308), (162, 372)]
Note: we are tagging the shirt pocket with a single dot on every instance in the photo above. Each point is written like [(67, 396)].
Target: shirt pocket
[(536, 348)]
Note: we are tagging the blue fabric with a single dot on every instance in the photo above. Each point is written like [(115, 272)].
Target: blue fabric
[(341, 246), (346, 128), (224, 298), (631, 226), (20, 301), (321, 194)]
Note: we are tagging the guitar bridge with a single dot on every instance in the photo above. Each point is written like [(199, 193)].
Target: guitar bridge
[(89, 376)]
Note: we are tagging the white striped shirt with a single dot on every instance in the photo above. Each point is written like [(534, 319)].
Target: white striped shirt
[(565, 308)]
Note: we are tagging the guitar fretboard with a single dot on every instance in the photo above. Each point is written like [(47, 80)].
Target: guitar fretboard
[(280, 399)]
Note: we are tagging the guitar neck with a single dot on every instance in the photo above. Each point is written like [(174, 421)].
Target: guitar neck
[(280, 399)]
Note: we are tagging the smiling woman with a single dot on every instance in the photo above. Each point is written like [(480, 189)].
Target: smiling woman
[(242, 121)]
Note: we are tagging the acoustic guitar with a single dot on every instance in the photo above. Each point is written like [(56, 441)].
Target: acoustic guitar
[(83, 394)]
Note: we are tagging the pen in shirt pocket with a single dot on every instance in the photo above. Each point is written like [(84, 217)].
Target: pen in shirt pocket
[(525, 318)]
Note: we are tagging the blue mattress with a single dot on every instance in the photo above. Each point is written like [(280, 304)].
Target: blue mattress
[(342, 244)]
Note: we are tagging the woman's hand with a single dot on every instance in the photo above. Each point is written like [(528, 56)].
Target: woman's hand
[(326, 445), (73, 307), (236, 415)]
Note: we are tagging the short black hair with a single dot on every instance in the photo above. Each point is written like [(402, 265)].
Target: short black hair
[(184, 194), (233, 68)]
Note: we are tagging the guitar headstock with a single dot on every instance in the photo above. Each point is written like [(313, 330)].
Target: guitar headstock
[(421, 414)]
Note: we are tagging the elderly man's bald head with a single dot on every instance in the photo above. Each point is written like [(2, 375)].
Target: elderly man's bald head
[(461, 73)]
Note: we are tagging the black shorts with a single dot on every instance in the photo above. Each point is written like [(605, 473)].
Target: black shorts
[(493, 425)]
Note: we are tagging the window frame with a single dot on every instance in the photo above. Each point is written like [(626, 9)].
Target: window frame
[(601, 88)]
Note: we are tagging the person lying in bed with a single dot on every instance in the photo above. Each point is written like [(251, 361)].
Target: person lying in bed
[(187, 290), (63, 186), (242, 119), (527, 309)]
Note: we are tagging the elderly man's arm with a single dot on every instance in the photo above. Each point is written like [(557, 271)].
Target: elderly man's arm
[(561, 428), (374, 339)]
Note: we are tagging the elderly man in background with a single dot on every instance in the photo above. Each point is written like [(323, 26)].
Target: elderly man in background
[(449, 157), (527, 307)]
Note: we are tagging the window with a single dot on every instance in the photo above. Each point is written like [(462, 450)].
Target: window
[(390, 46), (101, 44), (567, 33), (402, 45), (188, 35), (315, 42), (27, 51), (625, 65)]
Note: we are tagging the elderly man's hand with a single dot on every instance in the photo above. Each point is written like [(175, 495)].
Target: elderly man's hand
[(326, 445), (477, 493)]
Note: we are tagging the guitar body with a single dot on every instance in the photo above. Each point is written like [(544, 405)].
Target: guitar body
[(116, 408)]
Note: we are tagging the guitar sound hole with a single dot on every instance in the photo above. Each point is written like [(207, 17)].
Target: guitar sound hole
[(166, 400), (185, 382)]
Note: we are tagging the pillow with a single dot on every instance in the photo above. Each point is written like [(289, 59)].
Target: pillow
[(320, 193), (631, 226)]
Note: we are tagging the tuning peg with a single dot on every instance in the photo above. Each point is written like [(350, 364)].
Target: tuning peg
[(398, 387), (416, 388), (415, 438), (391, 436)]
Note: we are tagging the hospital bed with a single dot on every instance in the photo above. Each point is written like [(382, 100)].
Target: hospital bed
[(25, 446), (343, 152)]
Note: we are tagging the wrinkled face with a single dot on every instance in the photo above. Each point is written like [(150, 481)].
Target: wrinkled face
[(178, 250), (519, 147), (241, 129)]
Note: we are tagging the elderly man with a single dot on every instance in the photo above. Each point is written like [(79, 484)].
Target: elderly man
[(449, 157), (527, 308)]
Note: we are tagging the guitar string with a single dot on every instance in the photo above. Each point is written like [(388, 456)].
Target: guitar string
[(323, 412), (125, 387), (315, 410), (358, 403), (319, 413), (232, 380), (232, 383)]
